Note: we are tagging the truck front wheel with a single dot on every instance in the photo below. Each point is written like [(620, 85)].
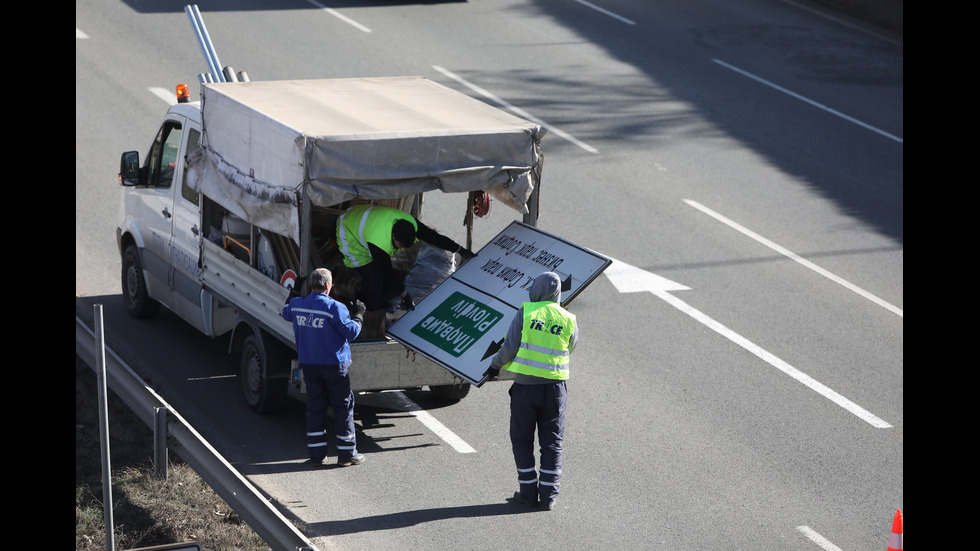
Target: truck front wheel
[(137, 301), (262, 394)]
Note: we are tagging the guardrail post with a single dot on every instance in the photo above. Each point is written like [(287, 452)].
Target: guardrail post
[(104, 428), (160, 443)]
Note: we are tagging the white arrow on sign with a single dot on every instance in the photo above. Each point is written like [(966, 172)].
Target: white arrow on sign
[(630, 279)]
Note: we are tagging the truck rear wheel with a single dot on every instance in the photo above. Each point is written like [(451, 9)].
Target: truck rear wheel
[(450, 393), (262, 394), (135, 298)]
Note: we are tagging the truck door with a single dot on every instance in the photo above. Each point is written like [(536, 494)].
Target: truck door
[(184, 277), (157, 208), (171, 218)]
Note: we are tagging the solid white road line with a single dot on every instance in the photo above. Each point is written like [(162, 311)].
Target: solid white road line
[(807, 100), (169, 96), (607, 12), (796, 258), (629, 279), (816, 538), (433, 424), (340, 16), (516, 110), (776, 362), (840, 21)]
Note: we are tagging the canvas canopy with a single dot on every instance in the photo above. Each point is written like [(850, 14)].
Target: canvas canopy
[(265, 144)]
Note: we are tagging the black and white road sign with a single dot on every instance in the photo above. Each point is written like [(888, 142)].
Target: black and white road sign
[(461, 324)]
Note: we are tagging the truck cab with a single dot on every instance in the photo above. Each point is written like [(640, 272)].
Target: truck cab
[(160, 222)]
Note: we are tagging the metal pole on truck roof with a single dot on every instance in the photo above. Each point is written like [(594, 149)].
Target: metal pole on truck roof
[(207, 47)]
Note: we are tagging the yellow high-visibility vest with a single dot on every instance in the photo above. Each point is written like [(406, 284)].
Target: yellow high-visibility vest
[(365, 224), (545, 337)]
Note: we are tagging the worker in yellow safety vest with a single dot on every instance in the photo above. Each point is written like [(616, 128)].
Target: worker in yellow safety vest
[(368, 235), (536, 349)]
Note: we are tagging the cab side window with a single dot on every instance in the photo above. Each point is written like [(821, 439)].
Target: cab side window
[(162, 160), (193, 142)]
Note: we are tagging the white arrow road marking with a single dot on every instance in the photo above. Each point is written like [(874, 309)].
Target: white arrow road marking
[(630, 279)]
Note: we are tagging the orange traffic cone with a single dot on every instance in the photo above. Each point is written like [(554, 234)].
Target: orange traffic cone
[(895, 541)]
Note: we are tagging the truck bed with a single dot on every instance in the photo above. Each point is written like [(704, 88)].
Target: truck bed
[(272, 144)]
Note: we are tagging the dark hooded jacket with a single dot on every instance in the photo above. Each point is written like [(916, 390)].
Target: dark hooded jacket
[(545, 288)]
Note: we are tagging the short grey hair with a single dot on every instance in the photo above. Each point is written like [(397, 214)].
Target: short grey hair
[(320, 278)]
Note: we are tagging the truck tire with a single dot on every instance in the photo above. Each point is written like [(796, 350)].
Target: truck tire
[(450, 393), (135, 298), (262, 394)]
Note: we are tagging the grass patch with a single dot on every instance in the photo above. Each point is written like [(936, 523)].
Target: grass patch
[(145, 511)]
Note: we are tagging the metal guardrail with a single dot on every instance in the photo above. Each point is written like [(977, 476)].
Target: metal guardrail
[(224, 479)]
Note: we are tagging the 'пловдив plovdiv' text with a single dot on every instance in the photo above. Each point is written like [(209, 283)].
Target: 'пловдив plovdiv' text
[(457, 323)]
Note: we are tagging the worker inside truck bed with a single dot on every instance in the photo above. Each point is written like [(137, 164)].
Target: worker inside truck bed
[(368, 235)]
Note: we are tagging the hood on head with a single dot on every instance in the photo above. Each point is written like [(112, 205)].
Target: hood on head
[(546, 287)]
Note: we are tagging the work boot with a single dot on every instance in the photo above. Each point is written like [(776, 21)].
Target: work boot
[(356, 460), (526, 502)]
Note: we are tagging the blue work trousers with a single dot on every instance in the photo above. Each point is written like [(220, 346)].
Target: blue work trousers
[(538, 408), (326, 386)]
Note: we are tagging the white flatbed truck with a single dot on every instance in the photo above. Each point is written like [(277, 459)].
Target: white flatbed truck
[(239, 192)]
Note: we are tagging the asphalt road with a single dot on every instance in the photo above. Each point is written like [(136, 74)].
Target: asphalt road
[(749, 152)]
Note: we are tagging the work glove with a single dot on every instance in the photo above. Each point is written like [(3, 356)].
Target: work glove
[(407, 303), (295, 289), (357, 311), (491, 373), (466, 253)]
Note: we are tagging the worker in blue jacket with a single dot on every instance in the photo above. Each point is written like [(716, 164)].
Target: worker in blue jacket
[(323, 328)]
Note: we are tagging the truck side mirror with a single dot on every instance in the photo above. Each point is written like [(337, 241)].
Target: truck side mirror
[(129, 168)]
